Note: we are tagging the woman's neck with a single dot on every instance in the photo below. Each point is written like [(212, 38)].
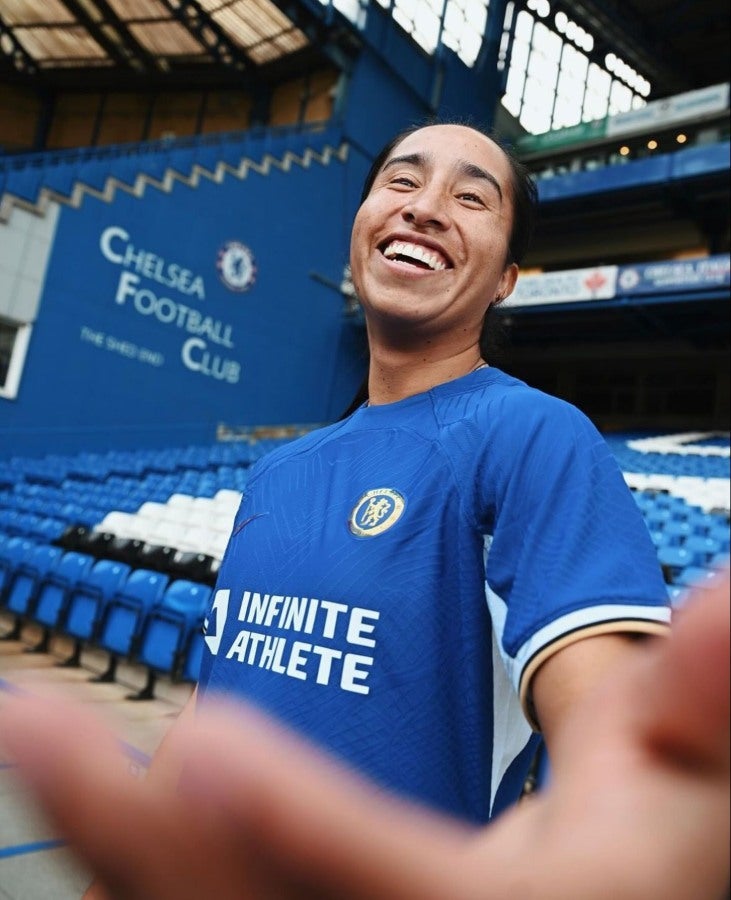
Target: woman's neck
[(395, 375)]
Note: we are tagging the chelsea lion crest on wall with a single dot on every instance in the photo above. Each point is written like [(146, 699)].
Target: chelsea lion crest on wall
[(236, 266)]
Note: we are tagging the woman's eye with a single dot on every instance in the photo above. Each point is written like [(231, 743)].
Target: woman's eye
[(472, 198), (402, 179)]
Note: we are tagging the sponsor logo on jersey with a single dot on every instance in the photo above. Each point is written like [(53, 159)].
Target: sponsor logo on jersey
[(376, 511), (213, 630)]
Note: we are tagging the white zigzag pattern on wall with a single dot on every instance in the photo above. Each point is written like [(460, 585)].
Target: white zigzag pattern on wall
[(166, 183)]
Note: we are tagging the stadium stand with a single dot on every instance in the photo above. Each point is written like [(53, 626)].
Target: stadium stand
[(67, 175), (660, 129)]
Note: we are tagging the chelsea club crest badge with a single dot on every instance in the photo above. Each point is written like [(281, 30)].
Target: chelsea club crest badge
[(236, 266), (376, 512)]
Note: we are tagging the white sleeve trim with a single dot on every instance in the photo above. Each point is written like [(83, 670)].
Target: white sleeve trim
[(584, 623)]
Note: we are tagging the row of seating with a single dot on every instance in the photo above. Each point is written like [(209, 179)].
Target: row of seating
[(692, 455), (662, 510), (694, 467), (185, 522), (692, 543), (122, 493), (656, 171), (257, 133), (24, 176), (101, 467), (706, 493), (135, 614), (176, 562), (137, 592)]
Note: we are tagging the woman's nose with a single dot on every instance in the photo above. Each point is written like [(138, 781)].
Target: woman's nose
[(425, 208)]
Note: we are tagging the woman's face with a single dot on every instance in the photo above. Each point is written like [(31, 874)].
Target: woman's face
[(430, 242)]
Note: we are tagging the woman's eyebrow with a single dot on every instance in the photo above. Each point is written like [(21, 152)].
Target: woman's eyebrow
[(468, 169), (410, 159), (473, 171)]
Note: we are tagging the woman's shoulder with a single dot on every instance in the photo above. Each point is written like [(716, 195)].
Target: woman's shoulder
[(503, 400), (295, 446)]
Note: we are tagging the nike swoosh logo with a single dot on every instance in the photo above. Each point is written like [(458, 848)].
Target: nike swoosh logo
[(240, 527)]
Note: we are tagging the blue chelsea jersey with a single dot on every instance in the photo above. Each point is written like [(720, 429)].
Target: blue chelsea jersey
[(391, 580)]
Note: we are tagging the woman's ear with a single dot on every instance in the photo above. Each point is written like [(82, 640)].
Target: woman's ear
[(506, 283)]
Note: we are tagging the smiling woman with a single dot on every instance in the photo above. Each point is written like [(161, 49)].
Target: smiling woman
[(426, 585), (456, 513), (522, 194), (430, 254)]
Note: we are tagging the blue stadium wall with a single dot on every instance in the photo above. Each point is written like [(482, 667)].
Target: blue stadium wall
[(175, 307), (138, 340)]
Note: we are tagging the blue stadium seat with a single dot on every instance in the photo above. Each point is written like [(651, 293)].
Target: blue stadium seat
[(644, 500), (722, 535), (27, 578), (232, 151), (95, 172), (641, 173), (168, 627), (125, 613), (677, 594), (49, 528), (125, 168), (154, 163), (182, 159), (679, 509), (61, 176), (56, 587), (657, 517), (13, 552), (208, 156), (90, 596), (12, 521), (168, 635), (677, 531), (25, 182), (660, 538), (673, 561), (704, 547), (17, 502), (701, 160), (720, 561)]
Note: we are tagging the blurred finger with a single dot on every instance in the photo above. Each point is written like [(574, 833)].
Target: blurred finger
[(687, 702)]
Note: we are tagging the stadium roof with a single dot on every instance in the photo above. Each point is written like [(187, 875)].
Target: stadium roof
[(678, 46), (118, 42)]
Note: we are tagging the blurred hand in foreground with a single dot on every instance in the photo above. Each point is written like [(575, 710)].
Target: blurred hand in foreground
[(639, 807)]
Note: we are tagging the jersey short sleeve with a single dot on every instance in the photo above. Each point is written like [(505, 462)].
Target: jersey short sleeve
[(567, 552)]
